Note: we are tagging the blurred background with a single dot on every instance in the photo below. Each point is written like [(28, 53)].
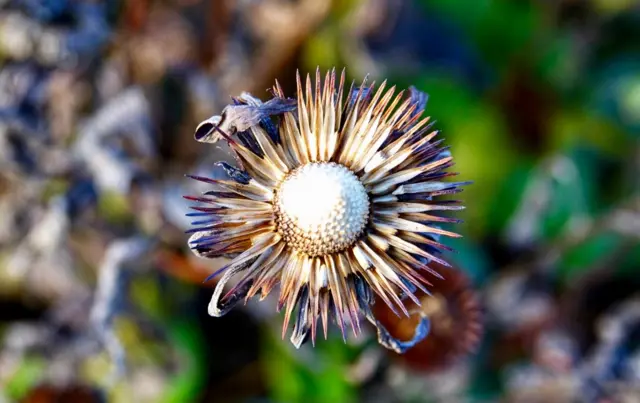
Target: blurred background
[(101, 301)]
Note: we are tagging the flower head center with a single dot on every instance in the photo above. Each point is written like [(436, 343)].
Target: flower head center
[(321, 208)]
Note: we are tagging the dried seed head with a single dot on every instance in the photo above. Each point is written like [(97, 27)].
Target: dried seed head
[(321, 208), (453, 308), (336, 202)]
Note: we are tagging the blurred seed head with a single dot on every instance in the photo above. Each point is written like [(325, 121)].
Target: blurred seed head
[(454, 311)]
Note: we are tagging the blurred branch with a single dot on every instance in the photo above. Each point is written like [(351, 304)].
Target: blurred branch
[(279, 45), (623, 219), (109, 295), (537, 198)]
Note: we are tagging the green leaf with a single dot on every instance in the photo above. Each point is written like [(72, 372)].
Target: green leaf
[(27, 375), (616, 92), (321, 49), (574, 127), (559, 63), (280, 366), (292, 380), (145, 292), (114, 207), (558, 192), (187, 385), (586, 255), (575, 190), (630, 263), (500, 29), (508, 196)]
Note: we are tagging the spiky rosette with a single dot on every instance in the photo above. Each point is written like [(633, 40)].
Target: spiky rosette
[(333, 201)]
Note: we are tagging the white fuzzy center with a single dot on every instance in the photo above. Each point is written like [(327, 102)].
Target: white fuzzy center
[(322, 208)]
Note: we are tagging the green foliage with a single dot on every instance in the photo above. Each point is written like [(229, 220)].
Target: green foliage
[(630, 264), (114, 207), (27, 375), (588, 255), (477, 134), (573, 127), (322, 49), (186, 386), (501, 30), (292, 379), (508, 196)]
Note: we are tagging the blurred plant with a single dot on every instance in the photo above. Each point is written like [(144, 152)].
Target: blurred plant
[(453, 309), (71, 394), (97, 105)]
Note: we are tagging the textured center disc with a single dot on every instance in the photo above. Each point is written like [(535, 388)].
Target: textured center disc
[(321, 208)]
